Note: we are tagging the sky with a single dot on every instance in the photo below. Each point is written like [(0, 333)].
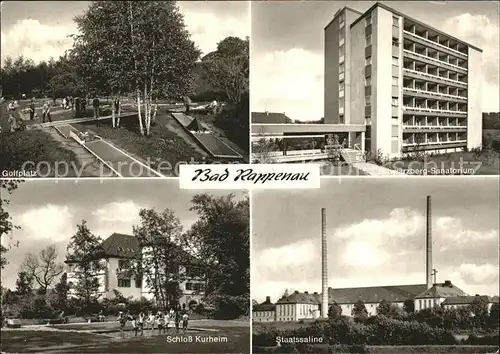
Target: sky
[(376, 234), (48, 212), (38, 29), (287, 65)]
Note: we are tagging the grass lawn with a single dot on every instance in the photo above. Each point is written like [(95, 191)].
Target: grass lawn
[(29, 341), (41, 149), (428, 349), (482, 165)]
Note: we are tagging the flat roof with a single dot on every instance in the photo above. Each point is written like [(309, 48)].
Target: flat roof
[(339, 11), (388, 8), (262, 129)]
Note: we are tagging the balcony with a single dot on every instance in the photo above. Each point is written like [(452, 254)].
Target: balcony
[(434, 78), (433, 111), (432, 94), (429, 60), (433, 128), (438, 46), (432, 145)]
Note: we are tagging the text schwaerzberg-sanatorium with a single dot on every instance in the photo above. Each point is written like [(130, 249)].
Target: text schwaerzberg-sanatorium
[(248, 175)]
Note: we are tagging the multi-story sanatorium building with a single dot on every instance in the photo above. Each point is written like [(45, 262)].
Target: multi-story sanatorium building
[(413, 86), (118, 253), (393, 84)]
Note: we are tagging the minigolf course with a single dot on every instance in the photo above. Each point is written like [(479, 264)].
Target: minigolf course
[(117, 160), (205, 138)]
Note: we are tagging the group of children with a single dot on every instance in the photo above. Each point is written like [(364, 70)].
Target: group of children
[(161, 321)]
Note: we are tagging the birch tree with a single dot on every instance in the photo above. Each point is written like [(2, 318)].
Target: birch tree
[(139, 47)]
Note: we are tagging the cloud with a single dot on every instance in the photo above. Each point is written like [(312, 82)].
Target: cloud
[(207, 29), (475, 274), (383, 251), (478, 30), (288, 81), (454, 235), (50, 222), (121, 212), (36, 41), (292, 81)]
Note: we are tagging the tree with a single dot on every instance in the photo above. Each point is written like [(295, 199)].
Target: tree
[(494, 315), (334, 311), (61, 292), (359, 311), (139, 46), (220, 238), (85, 250), (6, 225), (228, 67), (479, 309), (24, 284), (384, 308), (44, 268), (262, 150), (159, 263), (409, 306)]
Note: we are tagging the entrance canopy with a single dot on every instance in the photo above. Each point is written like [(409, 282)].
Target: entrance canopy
[(270, 130)]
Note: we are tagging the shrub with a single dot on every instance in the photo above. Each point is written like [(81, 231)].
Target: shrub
[(230, 307)]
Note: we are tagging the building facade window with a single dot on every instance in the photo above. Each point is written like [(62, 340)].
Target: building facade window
[(368, 100), (341, 93), (395, 42), (368, 40), (341, 50), (124, 283), (341, 85), (341, 68), (395, 131), (395, 102), (395, 21), (368, 81), (368, 61), (342, 118), (138, 283), (395, 81), (368, 20), (395, 61)]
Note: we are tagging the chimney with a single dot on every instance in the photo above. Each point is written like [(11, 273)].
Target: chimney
[(315, 293), (324, 266), (267, 113), (428, 269), (305, 292), (296, 291), (268, 299), (448, 283)]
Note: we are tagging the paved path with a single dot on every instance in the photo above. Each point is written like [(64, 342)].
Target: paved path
[(375, 170), (112, 157)]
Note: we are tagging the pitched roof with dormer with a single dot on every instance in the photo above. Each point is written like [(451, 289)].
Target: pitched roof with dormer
[(375, 294), (441, 290)]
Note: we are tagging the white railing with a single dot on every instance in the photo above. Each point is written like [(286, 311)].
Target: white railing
[(434, 126), (432, 110), (434, 93), (434, 142), (436, 43), (433, 59), (296, 152), (435, 76)]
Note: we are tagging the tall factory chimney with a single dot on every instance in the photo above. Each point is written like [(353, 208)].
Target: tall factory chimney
[(324, 266), (428, 268)]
